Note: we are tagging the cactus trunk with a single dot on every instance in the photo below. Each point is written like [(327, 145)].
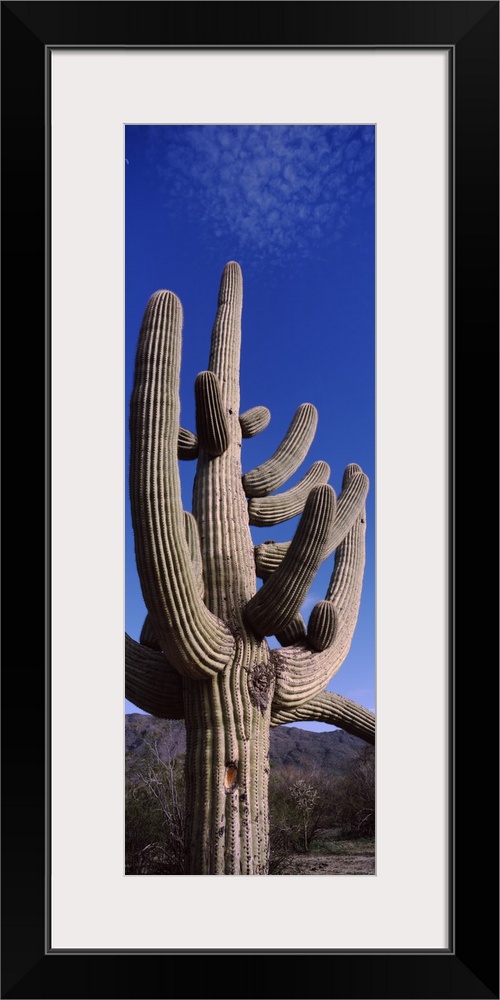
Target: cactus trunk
[(203, 654), (227, 769)]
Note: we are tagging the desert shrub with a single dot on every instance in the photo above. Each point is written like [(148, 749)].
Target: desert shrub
[(295, 807), (154, 814), (355, 807)]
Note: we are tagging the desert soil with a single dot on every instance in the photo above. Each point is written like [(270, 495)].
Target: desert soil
[(329, 864)]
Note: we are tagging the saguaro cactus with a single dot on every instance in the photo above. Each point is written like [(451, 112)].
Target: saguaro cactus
[(203, 654)]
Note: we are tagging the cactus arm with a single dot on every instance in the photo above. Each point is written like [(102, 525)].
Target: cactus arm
[(219, 503), (268, 557), (211, 421), (147, 636), (187, 445), (266, 511), (279, 599), (332, 709), (286, 459), (303, 672), (350, 502), (254, 421), (151, 682), (294, 632), (322, 626), (195, 642), (193, 540)]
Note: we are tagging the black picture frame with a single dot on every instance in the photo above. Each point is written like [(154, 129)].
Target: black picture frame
[(469, 969)]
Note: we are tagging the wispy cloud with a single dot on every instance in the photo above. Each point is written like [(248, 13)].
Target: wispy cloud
[(273, 189)]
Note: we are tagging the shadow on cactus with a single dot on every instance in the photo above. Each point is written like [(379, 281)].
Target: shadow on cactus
[(203, 654)]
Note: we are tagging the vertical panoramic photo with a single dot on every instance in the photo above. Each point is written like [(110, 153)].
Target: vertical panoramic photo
[(250, 518)]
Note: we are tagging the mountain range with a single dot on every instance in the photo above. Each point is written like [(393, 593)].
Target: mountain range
[(332, 752)]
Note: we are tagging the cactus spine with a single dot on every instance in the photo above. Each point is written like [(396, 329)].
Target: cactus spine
[(203, 654)]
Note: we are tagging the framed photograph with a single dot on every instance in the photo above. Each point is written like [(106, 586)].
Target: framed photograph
[(423, 79)]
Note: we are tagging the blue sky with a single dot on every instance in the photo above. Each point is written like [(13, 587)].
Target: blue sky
[(295, 206)]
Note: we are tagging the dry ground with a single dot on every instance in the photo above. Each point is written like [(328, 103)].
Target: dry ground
[(330, 864), (333, 856)]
